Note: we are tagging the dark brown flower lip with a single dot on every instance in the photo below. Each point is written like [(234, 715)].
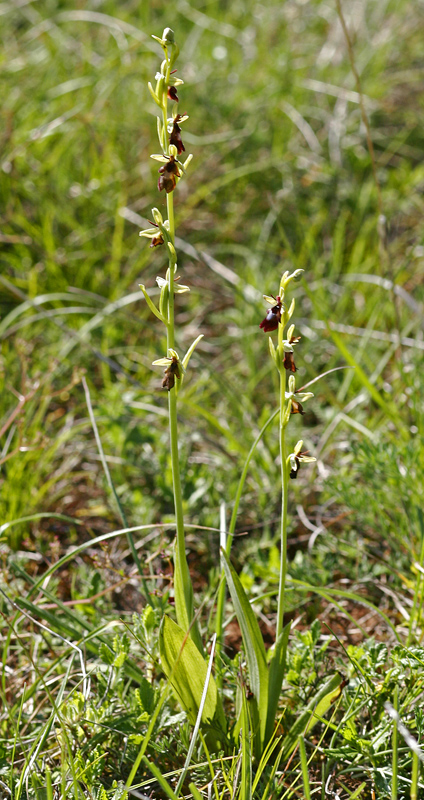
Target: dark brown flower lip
[(289, 362), (171, 372), (298, 459), (173, 94), (156, 240), (175, 136), (168, 174), (273, 316), (296, 407)]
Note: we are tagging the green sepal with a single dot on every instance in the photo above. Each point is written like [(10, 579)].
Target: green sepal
[(151, 305), (190, 351), (272, 351), (163, 302), (154, 95), (161, 137)]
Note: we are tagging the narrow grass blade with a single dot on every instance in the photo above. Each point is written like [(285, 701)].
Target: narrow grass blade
[(357, 793), (195, 792), (356, 598), (229, 538), (146, 739), (160, 779), (86, 680), (42, 515), (415, 776), (389, 410)]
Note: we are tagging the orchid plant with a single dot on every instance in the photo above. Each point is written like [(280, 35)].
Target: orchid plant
[(181, 648), (162, 233), (277, 318)]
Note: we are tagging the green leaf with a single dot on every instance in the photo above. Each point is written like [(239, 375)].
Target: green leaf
[(277, 670), (317, 707), (145, 696), (253, 644), (121, 647), (186, 671), (153, 94), (106, 654)]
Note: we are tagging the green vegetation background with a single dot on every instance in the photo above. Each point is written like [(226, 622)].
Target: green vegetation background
[(281, 178)]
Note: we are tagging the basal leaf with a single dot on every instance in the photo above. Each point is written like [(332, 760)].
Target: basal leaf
[(186, 671), (277, 670), (253, 644)]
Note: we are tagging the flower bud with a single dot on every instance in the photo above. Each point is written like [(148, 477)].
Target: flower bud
[(172, 252), (291, 309), (168, 36), (157, 216)]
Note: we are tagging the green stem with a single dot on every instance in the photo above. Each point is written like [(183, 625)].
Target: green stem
[(182, 583), (220, 606), (183, 587), (284, 487)]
